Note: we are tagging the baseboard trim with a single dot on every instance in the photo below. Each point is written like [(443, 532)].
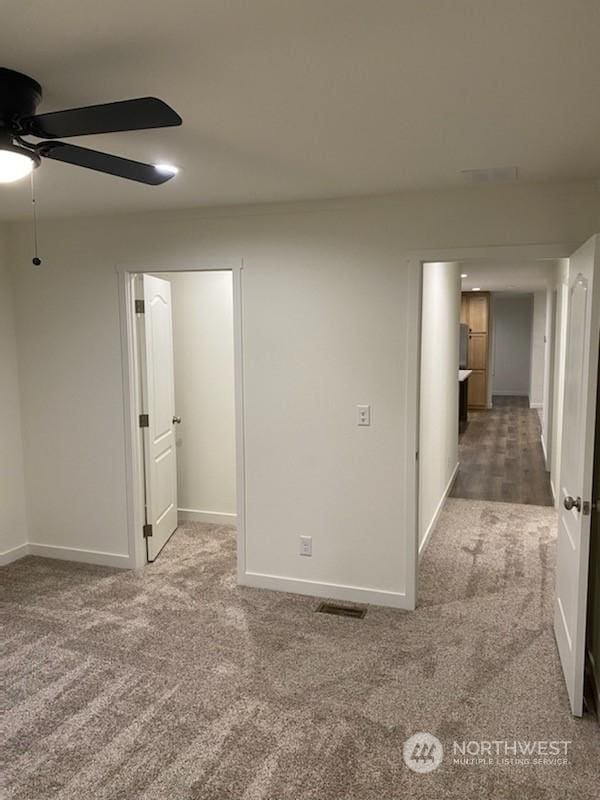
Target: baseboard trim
[(438, 511), (81, 556), (333, 591), (212, 517), (552, 489), (506, 393), (544, 451), (14, 554), (536, 405)]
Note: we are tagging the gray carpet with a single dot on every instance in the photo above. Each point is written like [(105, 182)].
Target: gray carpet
[(174, 684)]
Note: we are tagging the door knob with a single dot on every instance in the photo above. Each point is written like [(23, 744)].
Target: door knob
[(176, 420), (570, 503)]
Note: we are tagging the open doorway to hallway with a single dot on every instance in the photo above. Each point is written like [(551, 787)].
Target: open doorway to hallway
[(507, 356), (526, 437), (186, 404), (491, 383)]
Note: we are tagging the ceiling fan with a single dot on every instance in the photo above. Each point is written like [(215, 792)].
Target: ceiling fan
[(20, 96)]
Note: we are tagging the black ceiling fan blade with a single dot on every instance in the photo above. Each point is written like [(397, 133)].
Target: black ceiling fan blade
[(124, 115), (103, 162)]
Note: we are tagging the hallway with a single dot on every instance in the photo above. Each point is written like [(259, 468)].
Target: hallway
[(501, 456)]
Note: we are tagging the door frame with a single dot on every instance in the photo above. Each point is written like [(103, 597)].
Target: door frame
[(130, 360), (415, 261)]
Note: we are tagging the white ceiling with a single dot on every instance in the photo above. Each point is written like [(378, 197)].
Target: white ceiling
[(514, 277), (292, 99)]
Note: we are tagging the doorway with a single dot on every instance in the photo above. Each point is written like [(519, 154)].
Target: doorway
[(487, 383), (503, 450), (182, 346), (573, 333)]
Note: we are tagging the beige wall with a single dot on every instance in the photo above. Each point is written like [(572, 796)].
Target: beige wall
[(13, 522), (204, 392), (438, 437), (327, 295)]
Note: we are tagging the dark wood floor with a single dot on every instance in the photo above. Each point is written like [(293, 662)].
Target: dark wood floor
[(501, 456)]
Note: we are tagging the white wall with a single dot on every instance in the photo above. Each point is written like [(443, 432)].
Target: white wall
[(438, 432), (327, 298), (538, 350), (512, 323), (204, 393), (548, 397), (560, 339), (13, 521)]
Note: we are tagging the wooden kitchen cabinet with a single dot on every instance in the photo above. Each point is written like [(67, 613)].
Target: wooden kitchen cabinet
[(477, 351), (478, 312), (477, 394), (475, 312)]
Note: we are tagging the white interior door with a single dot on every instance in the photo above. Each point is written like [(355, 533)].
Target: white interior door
[(158, 391), (576, 474)]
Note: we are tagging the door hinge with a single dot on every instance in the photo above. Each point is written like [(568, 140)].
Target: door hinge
[(147, 530), (139, 307), (144, 421)]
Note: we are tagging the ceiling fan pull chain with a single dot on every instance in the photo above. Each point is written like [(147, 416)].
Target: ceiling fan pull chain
[(36, 261)]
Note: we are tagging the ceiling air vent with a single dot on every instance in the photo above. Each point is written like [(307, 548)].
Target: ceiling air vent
[(491, 175)]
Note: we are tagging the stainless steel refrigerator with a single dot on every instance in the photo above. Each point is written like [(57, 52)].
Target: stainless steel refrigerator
[(463, 347)]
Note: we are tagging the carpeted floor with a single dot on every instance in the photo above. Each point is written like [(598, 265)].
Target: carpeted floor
[(174, 684)]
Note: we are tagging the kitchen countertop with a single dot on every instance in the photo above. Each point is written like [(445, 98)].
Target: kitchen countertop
[(463, 374)]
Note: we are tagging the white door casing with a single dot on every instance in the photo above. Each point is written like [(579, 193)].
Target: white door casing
[(576, 473), (158, 393)]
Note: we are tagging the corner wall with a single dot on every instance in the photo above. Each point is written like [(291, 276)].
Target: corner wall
[(538, 350), (560, 345), (438, 426), (549, 376), (13, 519)]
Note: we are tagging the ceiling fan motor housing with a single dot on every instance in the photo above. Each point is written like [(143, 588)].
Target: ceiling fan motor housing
[(20, 96)]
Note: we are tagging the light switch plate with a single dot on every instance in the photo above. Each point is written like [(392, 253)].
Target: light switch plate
[(306, 545), (363, 415)]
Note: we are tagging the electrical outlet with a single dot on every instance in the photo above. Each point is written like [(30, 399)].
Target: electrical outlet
[(306, 545), (363, 415)]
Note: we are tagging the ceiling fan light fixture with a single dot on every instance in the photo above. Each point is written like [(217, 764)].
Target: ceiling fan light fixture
[(166, 169), (16, 163), (20, 96)]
